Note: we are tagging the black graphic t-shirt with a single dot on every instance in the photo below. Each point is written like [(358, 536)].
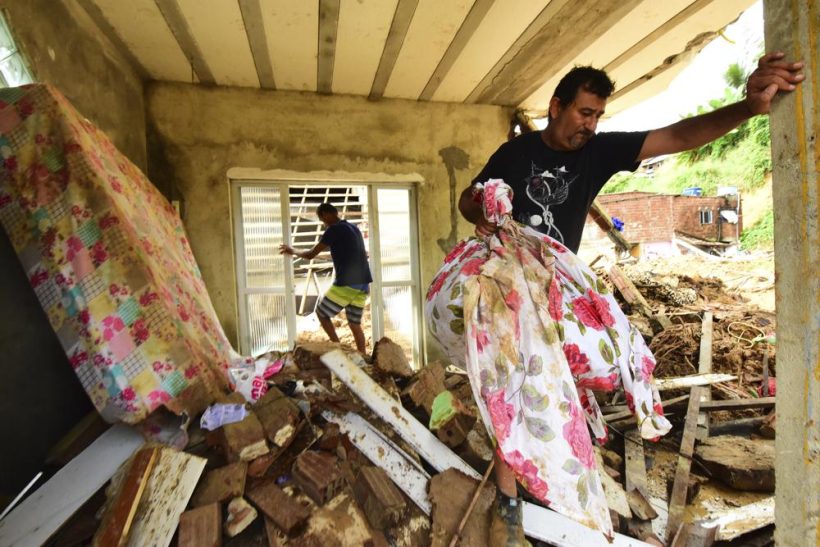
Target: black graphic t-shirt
[(552, 190)]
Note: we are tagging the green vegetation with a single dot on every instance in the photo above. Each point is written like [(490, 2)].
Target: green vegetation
[(741, 158)]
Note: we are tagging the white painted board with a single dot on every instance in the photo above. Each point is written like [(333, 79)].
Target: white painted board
[(42, 513)]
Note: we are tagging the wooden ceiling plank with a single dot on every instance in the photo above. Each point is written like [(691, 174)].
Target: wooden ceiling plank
[(552, 48), (653, 37), (532, 30), (462, 37), (392, 46), (328, 28), (258, 41), (96, 14), (176, 22)]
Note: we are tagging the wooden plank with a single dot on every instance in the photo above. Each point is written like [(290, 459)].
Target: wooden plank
[(116, 523), (705, 367), (392, 46), (539, 522), (664, 384), (258, 41), (201, 527), (626, 413), (677, 501), (598, 214), (464, 34), (735, 522), (551, 48), (635, 464), (178, 25), (166, 495), (328, 28), (628, 290), (40, 515)]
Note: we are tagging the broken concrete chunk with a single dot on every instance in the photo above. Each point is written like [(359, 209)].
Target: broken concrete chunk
[(450, 494), (201, 527), (318, 475), (285, 511), (389, 357), (240, 515), (612, 459), (245, 440), (381, 501), (477, 449), (741, 463)]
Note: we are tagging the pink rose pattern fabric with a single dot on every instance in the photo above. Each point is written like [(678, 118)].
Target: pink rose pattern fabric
[(537, 333), (109, 261)]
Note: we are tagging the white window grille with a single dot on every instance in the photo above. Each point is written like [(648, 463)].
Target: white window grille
[(277, 296), (13, 70), (706, 216)]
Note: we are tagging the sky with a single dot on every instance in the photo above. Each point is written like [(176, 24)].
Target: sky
[(701, 81)]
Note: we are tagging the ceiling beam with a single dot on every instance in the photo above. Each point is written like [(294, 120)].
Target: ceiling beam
[(258, 41), (465, 32), (96, 14), (328, 28), (564, 32), (650, 39), (392, 46), (182, 32)]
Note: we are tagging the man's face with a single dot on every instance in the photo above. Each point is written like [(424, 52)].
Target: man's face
[(323, 218), (574, 124)]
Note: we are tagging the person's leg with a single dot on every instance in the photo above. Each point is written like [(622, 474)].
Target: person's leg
[(325, 309), (354, 321), (506, 527), (504, 478)]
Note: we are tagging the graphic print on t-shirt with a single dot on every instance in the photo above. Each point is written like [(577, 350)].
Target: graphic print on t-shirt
[(546, 188)]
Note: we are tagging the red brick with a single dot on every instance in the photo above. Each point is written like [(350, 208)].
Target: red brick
[(221, 484), (201, 527), (381, 501), (282, 509), (318, 475), (240, 516)]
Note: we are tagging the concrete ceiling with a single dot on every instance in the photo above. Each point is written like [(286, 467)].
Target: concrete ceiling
[(506, 52)]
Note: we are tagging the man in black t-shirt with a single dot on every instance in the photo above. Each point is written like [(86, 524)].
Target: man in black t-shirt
[(556, 173), (352, 283)]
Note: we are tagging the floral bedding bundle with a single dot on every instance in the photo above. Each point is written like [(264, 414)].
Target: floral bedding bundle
[(537, 333)]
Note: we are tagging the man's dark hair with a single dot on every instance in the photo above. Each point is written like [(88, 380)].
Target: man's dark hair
[(587, 78), (324, 208)]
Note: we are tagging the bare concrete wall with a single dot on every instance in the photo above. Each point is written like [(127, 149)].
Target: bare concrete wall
[(63, 47), (196, 134)]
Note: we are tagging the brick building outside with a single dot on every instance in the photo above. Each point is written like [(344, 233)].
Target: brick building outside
[(657, 221)]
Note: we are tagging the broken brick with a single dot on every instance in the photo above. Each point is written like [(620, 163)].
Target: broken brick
[(390, 358), (240, 515), (451, 419), (201, 527), (428, 383), (477, 450), (260, 465), (381, 501), (221, 484), (282, 509), (279, 417), (307, 356), (245, 440), (450, 494), (318, 475)]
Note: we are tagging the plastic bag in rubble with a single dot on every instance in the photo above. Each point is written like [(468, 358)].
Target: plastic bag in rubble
[(249, 376), (220, 414)]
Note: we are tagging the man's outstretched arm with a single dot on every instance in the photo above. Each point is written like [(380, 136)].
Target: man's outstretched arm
[(773, 75), (307, 255)]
